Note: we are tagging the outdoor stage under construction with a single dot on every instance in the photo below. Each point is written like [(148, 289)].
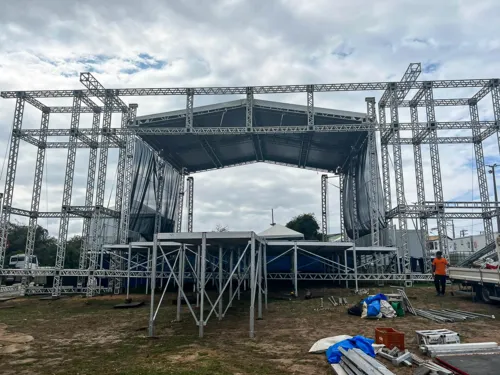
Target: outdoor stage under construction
[(160, 153)]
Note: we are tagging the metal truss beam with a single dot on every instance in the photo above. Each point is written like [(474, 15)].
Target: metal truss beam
[(180, 202), (231, 90), (436, 102), (190, 202), (10, 175), (374, 176), (67, 193), (343, 234), (189, 109), (159, 194), (128, 176), (412, 73), (495, 97), (363, 127), (89, 196), (440, 140), (324, 206), (398, 174), (97, 89), (210, 152), (481, 169), (37, 191), (120, 178)]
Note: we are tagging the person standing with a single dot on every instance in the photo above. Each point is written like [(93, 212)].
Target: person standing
[(439, 265)]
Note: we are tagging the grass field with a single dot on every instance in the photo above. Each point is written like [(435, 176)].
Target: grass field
[(87, 336)]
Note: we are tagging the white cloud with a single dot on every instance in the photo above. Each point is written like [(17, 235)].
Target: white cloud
[(44, 45)]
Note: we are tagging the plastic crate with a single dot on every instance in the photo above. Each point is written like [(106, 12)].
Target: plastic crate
[(390, 338)]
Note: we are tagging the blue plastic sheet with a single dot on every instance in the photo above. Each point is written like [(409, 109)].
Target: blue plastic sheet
[(333, 354), (373, 304)]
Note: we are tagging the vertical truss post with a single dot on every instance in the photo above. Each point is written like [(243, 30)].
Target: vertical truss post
[(324, 206), (481, 170), (249, 109), (372, 149), (343, 236), (386, 174), (67, 192), (159, 194), (180, 202), (120, 176), (398, 172), (190, 197), (128, 175), (101, 186), (310, 106), (10, 175), (37, 190), (495, 97), (89, 194), (436, 167), (355, 219), (419, 176), (189, 109)]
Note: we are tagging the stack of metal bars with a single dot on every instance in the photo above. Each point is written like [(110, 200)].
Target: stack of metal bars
[(449, 316), (355, 362)]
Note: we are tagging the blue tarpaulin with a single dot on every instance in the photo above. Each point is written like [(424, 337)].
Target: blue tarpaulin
[(373, 304), (333, 353)]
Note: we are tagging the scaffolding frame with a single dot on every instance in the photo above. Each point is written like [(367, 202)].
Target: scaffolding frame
[(103, 137)]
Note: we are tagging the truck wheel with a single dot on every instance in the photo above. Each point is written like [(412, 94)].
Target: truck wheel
[(484, 294)]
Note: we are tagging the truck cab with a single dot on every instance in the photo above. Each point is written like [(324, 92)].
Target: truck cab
[(18, 262)]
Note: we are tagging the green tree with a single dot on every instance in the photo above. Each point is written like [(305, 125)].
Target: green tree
[(307, 225)]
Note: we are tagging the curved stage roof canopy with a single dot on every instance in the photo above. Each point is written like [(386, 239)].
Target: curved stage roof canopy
[(318, 151)]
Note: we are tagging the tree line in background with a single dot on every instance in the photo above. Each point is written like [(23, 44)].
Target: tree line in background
[(45, 246)]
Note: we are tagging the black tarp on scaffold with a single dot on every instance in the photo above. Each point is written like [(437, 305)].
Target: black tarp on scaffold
[(145, 183), (361, 164)]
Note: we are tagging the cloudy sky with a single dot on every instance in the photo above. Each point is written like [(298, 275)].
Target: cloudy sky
[(45, 44)]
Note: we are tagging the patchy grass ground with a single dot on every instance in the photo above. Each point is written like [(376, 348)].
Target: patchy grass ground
[(86, 336)]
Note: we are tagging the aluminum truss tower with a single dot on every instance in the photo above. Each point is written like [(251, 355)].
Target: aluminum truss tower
[(190, 201), (324, 206), (103, 136)]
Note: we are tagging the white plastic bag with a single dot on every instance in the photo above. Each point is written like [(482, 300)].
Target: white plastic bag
[(322, 345)]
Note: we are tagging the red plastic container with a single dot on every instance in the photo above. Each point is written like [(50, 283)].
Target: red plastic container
[(390, 338)]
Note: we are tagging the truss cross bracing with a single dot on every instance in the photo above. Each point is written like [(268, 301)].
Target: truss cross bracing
[(203, 138)]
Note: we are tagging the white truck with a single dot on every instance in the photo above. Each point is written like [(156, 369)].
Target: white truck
[(485, 283)]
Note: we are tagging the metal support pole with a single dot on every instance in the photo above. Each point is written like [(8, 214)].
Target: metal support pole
[(35, 198), (190, 198), (128, 269), (221, 280), (259, 281), (239, 274), (197, 281), (495, 189), (231, 255), (481, 170), (324, 206), (153, 283), (264, 260), (252, 286), (345, 269), (10, 175), (202, 280), (354, 224), (148, 262), (182, 255), (295, 270)]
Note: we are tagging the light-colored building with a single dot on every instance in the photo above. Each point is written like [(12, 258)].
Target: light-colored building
[(433, 244), (468, 244)]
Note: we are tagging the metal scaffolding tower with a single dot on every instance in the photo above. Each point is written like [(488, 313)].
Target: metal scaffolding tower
[(100, 137)]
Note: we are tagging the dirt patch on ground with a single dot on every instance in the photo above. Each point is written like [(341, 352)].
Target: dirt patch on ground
[(12, 342), (70, 333)]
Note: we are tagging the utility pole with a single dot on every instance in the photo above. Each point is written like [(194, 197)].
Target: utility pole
[(492, 171)]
